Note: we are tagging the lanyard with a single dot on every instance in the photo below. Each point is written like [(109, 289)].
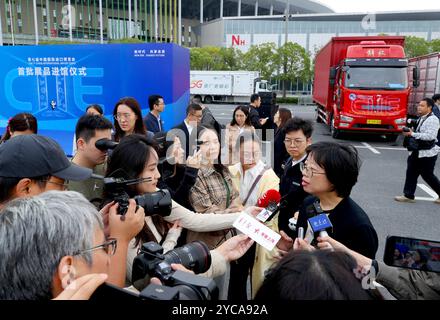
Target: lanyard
[(228, 193)]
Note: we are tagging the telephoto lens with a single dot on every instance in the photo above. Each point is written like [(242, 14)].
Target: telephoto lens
[(194, 256)]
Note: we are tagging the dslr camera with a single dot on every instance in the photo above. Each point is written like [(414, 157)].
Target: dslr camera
[(158, 202), (151, 262)]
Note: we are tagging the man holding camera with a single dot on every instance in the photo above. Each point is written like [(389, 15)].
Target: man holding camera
[(422, 161), (89, 129)]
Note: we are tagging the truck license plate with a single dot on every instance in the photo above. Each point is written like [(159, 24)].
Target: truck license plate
[(372, 121)]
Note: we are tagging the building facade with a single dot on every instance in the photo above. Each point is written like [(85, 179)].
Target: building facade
[(35, 21)]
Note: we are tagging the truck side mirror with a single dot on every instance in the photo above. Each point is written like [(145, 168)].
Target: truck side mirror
[(332, 76), (416, 77)]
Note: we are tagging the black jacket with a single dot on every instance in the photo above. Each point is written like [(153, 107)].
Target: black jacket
[(185, 139), (293, 194), (180, 185), (152, 124), (254, 117), (280, 152), (351, 226)]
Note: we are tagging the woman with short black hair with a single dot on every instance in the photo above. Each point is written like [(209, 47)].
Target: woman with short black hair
[(329, 174)]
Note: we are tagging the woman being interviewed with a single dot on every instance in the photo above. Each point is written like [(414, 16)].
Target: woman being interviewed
[(329, 173), (136, 158)]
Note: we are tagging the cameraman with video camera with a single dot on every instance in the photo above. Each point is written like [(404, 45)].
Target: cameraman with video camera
[(135, 158), (423, 152)]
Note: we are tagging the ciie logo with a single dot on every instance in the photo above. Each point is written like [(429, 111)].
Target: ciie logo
[(369, 22), (237, 41), (196, 84), (68, 12)]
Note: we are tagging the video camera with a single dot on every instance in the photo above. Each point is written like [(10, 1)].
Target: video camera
[(151, 262), (158, 202), (411, 124)]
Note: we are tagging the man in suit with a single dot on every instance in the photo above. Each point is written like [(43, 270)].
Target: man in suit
[(298, 137), (187, 130), (152, 120)]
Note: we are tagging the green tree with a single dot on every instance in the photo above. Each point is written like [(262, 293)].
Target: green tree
[(294, 62), (261, 58), (200, 59), (434, 45), (232, 59), (415, 46)]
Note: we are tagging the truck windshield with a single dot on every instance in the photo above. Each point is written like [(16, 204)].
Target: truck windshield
[(373, 78)]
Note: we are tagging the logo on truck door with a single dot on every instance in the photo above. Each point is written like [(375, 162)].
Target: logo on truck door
[(196, 84), (352, 96)]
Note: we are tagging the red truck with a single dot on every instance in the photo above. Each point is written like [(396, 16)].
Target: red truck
[(361, 85), (429, 68)]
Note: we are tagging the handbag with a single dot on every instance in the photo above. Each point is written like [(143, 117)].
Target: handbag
[(413, 144)]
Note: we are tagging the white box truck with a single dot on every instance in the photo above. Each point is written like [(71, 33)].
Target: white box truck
[(226, 86)]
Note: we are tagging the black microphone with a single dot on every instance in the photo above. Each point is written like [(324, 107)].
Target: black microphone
[(105, 144)]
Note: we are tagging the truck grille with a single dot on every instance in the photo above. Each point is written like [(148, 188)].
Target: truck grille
[(372, 126)]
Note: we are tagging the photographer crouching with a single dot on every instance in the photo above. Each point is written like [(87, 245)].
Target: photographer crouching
[(423, 152)]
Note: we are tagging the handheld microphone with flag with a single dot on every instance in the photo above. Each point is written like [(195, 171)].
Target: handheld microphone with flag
[(270, 201)]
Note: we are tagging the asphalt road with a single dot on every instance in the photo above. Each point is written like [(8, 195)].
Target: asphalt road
[(381, 178)]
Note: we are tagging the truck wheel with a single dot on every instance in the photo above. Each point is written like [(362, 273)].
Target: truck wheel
[(208, 99), (391, 137), (333, 131)]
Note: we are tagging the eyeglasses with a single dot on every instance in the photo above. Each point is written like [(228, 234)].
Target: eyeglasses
[(109, 247), (63, 186), (295, 142), (120, 116), (307, 170)]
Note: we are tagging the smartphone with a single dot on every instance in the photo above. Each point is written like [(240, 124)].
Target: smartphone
[(410, 253)]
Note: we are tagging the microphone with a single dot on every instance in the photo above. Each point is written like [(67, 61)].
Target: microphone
[(105, 144), (270, 196), (270, 201), (320, 226)]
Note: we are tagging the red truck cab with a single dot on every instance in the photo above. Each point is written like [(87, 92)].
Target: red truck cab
[(361, 85)]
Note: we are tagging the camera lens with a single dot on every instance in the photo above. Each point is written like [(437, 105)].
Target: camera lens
[(158, 202), (194, 256)]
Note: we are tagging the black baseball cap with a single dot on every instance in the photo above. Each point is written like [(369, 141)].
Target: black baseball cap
[(29, 156)]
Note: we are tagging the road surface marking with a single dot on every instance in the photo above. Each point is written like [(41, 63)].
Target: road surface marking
[(424, 199), (428, 190), (391, 148), (370, 148)]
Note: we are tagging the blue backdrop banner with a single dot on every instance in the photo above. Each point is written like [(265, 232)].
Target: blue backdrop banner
[(56, 83)]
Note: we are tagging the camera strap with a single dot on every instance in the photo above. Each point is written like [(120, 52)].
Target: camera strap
[(420, 122)]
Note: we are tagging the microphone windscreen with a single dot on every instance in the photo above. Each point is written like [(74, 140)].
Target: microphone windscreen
[(270, 196)]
